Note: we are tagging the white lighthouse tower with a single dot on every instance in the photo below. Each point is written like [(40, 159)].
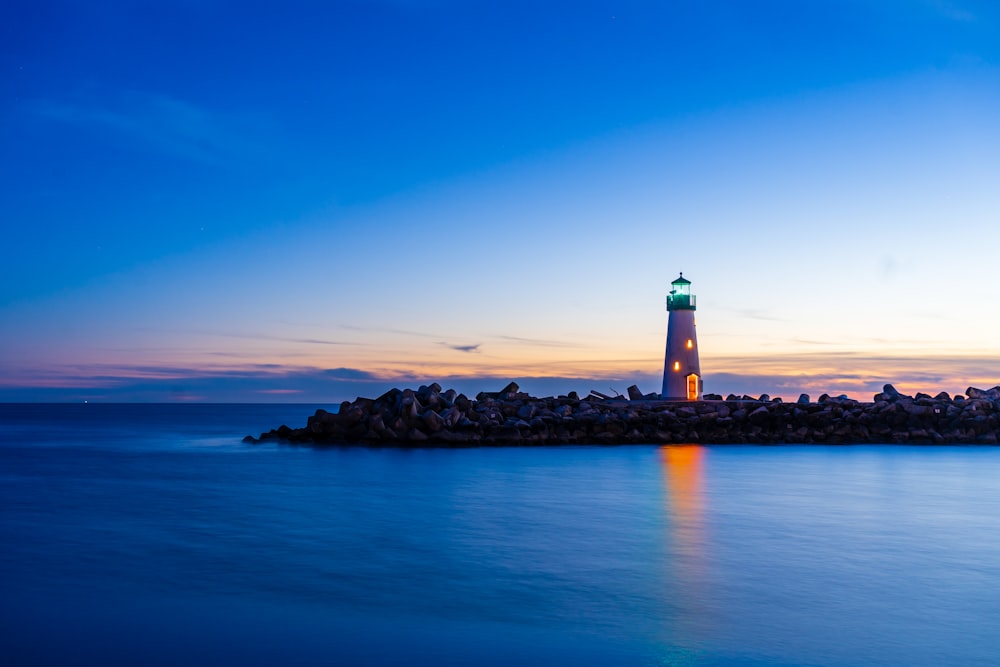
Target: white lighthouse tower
[(681, 370)]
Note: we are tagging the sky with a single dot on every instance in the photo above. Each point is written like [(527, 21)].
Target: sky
[(311, 201)]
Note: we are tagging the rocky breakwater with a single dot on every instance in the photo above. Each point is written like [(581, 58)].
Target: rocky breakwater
[(430, 416)]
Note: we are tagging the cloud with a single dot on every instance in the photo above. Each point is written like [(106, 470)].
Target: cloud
[(857, 375), (160, 122), (462, 348), (349, 374), (806, 341), (753, 314), (537, 341), (284, 339), (402, 332)]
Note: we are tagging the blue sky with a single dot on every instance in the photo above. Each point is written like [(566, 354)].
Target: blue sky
[(311, 201)]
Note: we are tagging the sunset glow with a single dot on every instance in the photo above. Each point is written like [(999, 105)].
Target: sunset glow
[(434, 212)]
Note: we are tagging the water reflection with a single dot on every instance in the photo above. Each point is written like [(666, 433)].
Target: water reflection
[(683, 471)]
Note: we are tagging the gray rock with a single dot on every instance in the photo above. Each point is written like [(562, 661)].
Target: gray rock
[(451, 416), (527, 411), (433, 421)]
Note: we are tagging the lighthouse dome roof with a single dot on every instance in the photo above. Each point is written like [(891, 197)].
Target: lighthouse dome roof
[(681, 280)]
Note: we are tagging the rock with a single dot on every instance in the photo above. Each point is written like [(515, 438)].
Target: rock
[(634, 394), (451, 416), (400, 417), (433, 421), (457, 437), (563, 411), (353, 415), (917, 410), (410, 407), (712, 397)]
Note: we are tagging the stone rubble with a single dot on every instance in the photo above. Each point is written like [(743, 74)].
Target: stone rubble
[(432, 417)]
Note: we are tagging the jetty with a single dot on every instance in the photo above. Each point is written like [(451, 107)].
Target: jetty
[(429, 416)]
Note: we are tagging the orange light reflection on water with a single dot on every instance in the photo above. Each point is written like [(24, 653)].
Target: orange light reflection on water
[(683, 475), (682, 471)]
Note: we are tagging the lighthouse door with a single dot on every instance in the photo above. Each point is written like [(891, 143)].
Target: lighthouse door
[(692, 382)]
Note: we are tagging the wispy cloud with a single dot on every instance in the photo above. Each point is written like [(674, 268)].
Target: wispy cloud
[(400, 332), (252, 336), (832, 372), (540, 342), (354, 374), (287, 339), (159, 122), (807, 341), (462, 348), (754, 314)]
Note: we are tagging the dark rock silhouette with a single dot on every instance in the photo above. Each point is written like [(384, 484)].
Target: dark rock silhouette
[(430, 416)]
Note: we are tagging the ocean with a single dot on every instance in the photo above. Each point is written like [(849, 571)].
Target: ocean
[(151, 535)]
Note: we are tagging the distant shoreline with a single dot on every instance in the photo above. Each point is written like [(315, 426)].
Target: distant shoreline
[(429, 416)]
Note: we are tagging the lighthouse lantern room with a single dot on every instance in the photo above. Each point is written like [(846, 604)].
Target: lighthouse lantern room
[(681, 370)]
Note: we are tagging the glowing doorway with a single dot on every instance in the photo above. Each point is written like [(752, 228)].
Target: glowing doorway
[(692, 387)]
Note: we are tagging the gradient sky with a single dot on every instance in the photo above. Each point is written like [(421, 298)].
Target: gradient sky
[(310, 201)]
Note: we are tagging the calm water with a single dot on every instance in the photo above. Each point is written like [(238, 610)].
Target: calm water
[(150, 535)]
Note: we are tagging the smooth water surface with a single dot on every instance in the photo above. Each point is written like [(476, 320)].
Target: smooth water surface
[(149, 534)]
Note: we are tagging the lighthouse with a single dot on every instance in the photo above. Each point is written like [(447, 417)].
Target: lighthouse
[(681, 370)]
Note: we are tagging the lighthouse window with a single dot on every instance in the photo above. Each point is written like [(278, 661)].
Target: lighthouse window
[(690, 344), (677, 365)]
